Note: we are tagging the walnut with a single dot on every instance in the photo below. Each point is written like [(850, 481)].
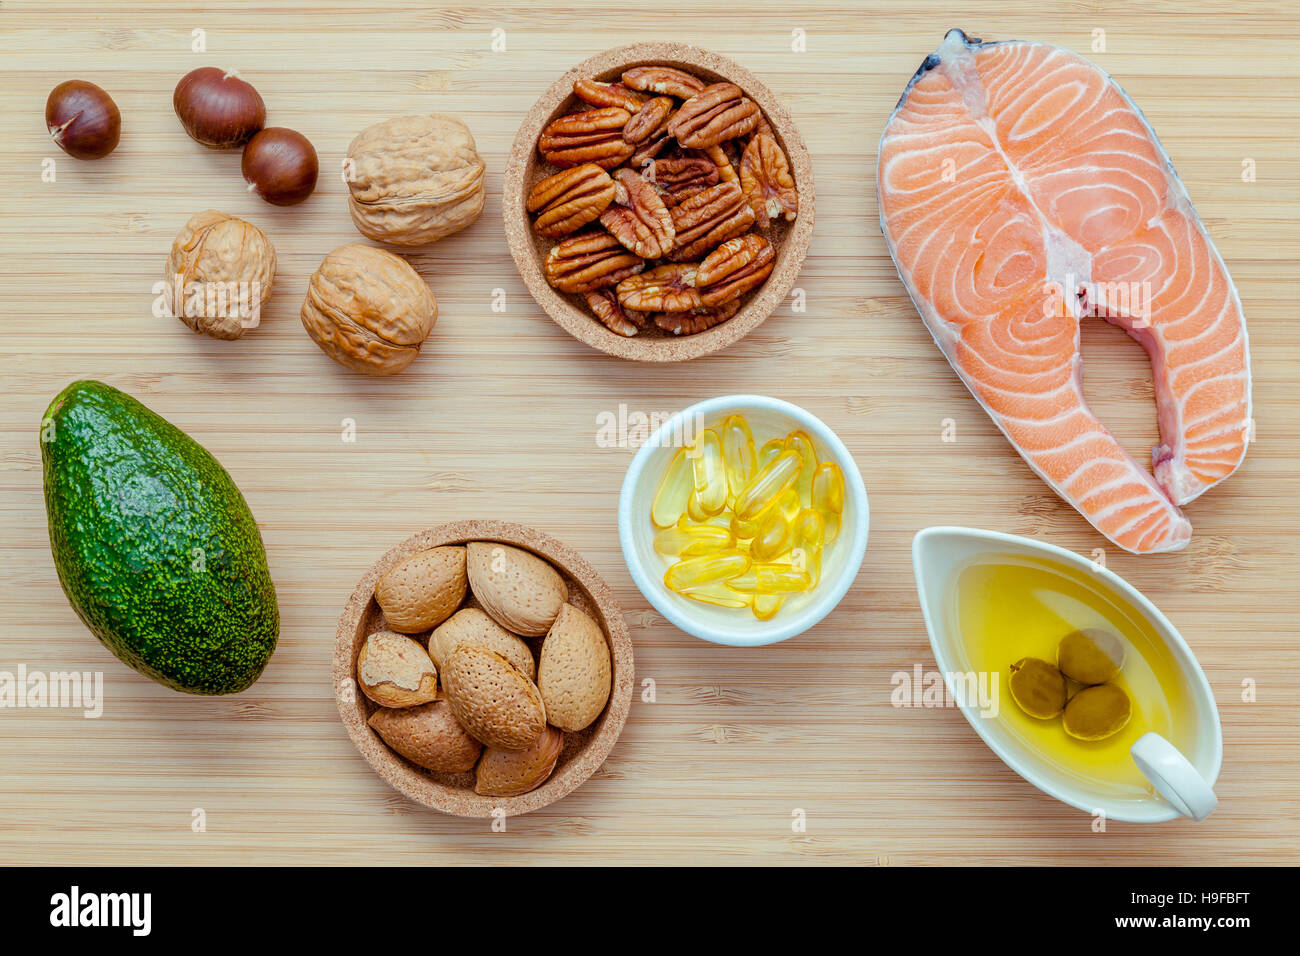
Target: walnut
[(414, 180), (368, 309), (219, 275)]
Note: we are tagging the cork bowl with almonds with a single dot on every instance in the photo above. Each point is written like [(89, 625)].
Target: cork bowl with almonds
[(658, 202), (483, 667)]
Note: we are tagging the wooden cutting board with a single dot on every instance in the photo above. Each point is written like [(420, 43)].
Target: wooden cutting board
[(498, 419)]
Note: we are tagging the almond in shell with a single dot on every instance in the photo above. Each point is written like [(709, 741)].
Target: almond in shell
[(574, 675), (428, 736), (423, 590), (395, 671), (492, 699), (471, 626), (505, 774), (519, 590)]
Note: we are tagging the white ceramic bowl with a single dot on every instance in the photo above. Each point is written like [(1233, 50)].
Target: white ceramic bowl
[(768, 417), (1185, 782)]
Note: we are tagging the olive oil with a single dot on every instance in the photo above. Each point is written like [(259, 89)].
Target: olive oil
[(1011, 607)]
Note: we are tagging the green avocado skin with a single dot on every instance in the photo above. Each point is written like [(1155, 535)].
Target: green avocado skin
[(154, 545)]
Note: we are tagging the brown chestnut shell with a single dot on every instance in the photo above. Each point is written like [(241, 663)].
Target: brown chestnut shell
[(83, 119), (280, 165), (218, 109)]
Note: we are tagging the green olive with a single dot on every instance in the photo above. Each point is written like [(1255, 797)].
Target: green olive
[(1037, 687), (1090, 656), (1096, 713)]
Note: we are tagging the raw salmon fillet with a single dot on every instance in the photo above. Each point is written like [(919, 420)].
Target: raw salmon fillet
[(1020, 191)]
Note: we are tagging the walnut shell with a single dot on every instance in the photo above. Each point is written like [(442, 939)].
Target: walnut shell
[(225, 268), (414, 180), (368, 309)]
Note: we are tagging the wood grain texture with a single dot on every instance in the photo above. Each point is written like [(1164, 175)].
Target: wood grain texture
[(498, 417)]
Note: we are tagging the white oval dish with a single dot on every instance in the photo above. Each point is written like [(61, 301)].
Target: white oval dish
[(938, 556), (739, 628)]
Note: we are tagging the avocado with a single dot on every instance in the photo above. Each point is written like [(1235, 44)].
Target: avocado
[(154, 545)]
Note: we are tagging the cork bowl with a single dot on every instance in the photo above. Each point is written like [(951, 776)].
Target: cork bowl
[(525, 168), (584, 752)]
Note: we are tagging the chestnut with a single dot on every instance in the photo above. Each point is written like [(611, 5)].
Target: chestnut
[(280, 165), (83, 119), (217, 108)]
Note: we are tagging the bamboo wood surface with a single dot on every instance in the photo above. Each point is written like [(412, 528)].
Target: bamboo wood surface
[(498, 419)]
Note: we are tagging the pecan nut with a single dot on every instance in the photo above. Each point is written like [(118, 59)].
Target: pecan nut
[(709, 218), (570, 199), (592, 136), (648, 120), (734, 268), (726, 168), (697, 320), (605, 306), (599, 94), (664, 80), (638, 218), (765, 178), (666, 288), (589, 261), (714, 114), (678, 178)]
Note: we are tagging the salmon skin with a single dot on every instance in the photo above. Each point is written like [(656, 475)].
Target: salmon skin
[(1020, 191)]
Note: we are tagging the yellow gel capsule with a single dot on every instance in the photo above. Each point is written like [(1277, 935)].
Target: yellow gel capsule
[(832, 522), (789, 504), (739, 457), (743, 530), (692, 541), (721, 520), (828, 488), (693, 572), (771, 579), (765, 606), (769, 484), (802, 442), (670, 497), (709, 472), (717, 594), (772, 536), (694, 511), (769, 451), (809, 539)]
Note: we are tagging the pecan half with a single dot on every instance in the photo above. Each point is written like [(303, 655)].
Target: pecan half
[(663, 80), (606, 307), (592, 136), (726, 170), (710, 218), (765, 178), (666, 288), (648, 150), (678, 178), (648, 120), (590, 260), (697, 320), (600, 94), (638, 218), (734, 268), (570, 199), (716, 113)]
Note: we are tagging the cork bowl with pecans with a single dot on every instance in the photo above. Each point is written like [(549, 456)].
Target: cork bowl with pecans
[(483, 668), (658, 202)]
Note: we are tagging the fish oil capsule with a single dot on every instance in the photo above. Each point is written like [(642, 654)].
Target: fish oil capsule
[(789, 504), (772, 536), (765, 606), (769, 451), (709, 472), (771, 579), (694, 510), (693, 572), (769, 484), (739, 458), (808, 541), (802, 442), (719, 595), (670, 498), (691, 542), (743, 530), (828, 497)]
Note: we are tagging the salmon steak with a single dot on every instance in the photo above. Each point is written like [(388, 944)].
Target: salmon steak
[(1022, 191)]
